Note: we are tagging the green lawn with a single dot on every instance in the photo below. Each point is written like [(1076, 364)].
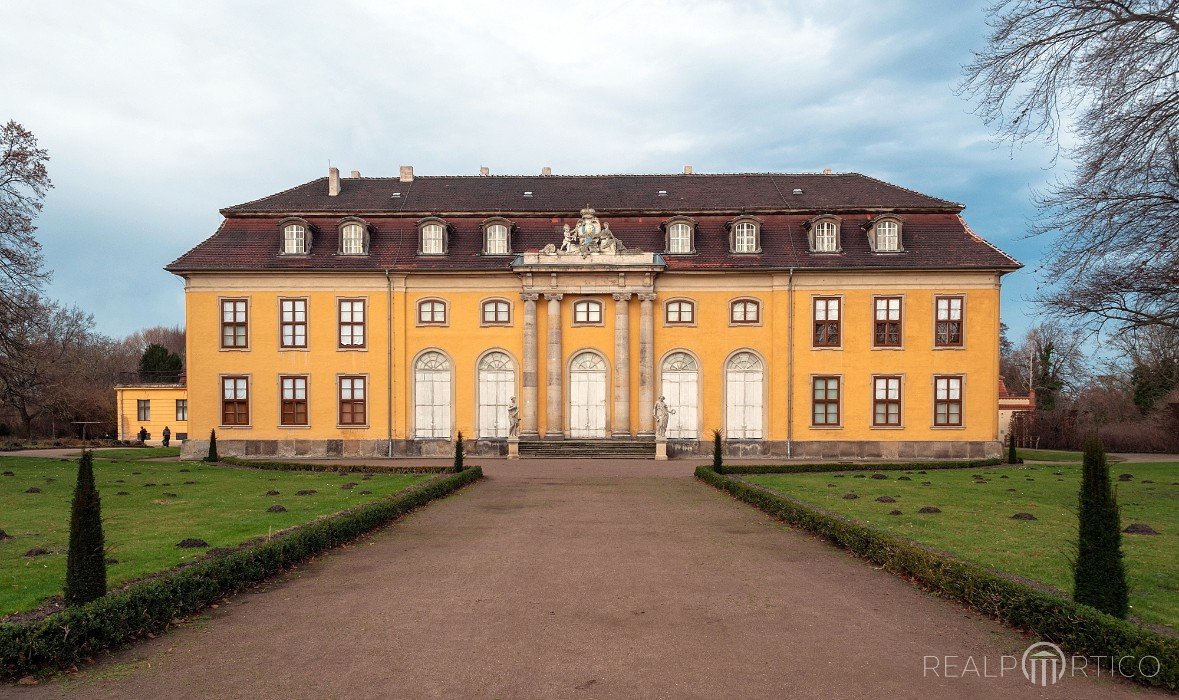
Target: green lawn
[(1054, 455), (221, 505), (137, 452), (975, 522)]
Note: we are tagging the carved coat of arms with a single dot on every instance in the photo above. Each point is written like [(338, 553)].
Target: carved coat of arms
[(587, 237)]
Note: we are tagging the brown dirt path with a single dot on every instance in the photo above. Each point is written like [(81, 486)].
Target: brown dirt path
[(576, 579)]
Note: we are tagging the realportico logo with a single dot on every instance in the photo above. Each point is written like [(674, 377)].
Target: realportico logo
[(1042, 664)]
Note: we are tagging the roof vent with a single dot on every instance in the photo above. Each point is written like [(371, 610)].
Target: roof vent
[(688, 170), (396, 195), (527, 193), (826, 171), (546, 170), (484, 172), (406, 173), (797, 190), (662, 193)]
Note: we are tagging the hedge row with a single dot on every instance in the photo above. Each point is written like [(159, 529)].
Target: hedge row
[(341, 468), (1076, 627), (855, 466), (69, 637)]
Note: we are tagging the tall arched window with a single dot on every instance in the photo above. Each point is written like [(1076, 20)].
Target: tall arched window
[(888, 236), (825, 236), (496, 240), (680, 387), (294, 239), (679, 238), (744, 237), (587, 396), (352, 240), (432, 396), (744, 376), (433, 237), (497, 386)]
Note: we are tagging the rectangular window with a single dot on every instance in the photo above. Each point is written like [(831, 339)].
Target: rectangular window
[(181, 409), (827, 331), (235, 401), (887, 329), (587, 312), (234, 323), (947, 405), (143, 409), (352, 401), (681, 312), (496, 312), (352, 323), (431, 313), (948, 333), (293, 320), (886, 401), (293, 410), (826, 401)]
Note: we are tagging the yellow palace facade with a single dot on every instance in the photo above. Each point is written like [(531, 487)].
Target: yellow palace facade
[(828, 315)]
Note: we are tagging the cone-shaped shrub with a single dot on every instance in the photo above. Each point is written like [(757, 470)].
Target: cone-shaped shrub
[(1012, 458), (718, 463), (1099, 574), (458, 453), (85, 563), (212, 446)]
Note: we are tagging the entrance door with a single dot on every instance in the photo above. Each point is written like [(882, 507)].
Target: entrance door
[(680, 389), (587, 396), (743, 393)]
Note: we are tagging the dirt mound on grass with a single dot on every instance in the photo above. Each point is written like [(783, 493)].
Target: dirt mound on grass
[(276, 508), (1140, 529), (929, 509), (192, 543), (886, 499), (1023, 516)]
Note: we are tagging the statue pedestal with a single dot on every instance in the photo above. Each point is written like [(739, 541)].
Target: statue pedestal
[(513, 448), (660, 449)]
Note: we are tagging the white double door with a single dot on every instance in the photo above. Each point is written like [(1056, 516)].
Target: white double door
[(680, 390), (587, 403)]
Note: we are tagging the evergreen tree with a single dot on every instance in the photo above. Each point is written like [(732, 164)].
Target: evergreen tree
[(159, 365), (212, 457), (85, 563), (1099, 574), (1012, 458), (458, 453), (718, 464)]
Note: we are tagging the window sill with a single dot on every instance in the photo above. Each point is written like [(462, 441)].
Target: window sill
[(432, 325), (949, 347), (294, 427), (352, 348), (821, 348), (826, 427), (947, 427), (235, 427), (679, 324), (294, 255), (496, 325), (351, 427), (888, 347), (599, 324), (745, 324), (886, 427), (294, 349)]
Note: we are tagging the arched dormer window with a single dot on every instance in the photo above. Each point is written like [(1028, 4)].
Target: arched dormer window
[(884, 234), (823, 234), (681, 236), (296, 236), (745, 235), (497, 236), (354, 236), (432, 236)]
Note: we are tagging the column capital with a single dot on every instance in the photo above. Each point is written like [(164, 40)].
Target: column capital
[(647, 296), (553, 296), (529, 296), (622, 296)]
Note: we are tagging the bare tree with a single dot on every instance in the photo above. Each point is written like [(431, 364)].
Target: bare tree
[(24, 181), (1051, 360), (170, 337), (1107, 72)]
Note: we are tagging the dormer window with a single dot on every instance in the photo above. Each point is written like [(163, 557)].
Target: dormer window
[(745, 235), (681, 236), (824, 235), (296, 237), (433, 236), (353, 237), (884, 235), (497, 237)]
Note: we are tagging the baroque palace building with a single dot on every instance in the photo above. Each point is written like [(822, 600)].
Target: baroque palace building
[(829, 315)]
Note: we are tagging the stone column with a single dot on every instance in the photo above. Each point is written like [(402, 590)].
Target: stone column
[(554, 425), (646, 365), (622, 365), (529, 399)]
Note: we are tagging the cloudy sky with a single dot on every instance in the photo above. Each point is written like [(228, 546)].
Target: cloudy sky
[(157, 114)]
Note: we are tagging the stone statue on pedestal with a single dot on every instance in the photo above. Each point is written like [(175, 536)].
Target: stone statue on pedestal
[(662, 415), (513, 418)]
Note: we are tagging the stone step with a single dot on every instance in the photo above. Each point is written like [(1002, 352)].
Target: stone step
[(589, 449)]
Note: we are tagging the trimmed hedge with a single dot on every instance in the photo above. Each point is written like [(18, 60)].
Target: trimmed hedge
[(281, 466), (69, 637), (1078, 628), (854, 466)]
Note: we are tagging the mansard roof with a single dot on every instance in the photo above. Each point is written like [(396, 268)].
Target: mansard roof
[(935, 235)]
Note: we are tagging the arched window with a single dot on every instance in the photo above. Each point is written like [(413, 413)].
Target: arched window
[(587, 313), (496, 239), (353, 239), (744, 236), (680, 388), (680, 312), (824, 235), (433, 237), (887, 236), (496, 312), (587, 396), (497, 386), (744, 311), (432, 396), (294, 239), (431, 312), (679, 238), (744, 375)]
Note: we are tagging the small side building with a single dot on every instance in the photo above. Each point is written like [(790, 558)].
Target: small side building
[(153, 406), (1014, 411)]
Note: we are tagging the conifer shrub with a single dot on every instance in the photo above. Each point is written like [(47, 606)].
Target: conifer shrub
[(1099, 572), (85, 562), (212, 456), (1012, 458), (458, 453), (718, 457)]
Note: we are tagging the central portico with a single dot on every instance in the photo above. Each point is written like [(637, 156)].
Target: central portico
[(588, 272)]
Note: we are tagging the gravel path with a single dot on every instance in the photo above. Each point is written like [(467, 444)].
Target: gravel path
[(577, 579)]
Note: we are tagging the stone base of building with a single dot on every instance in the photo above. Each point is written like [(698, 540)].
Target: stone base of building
[(777, 449)]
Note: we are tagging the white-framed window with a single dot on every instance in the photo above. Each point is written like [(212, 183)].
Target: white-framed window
[(948, 332), (495, 238), (744, 376), (947, 404), (825, 401), (294, 239), (497, 386), (888, 236), (235, 324), (680, 311), (352, 323), (587, 312), (433, 239), (745, 237), (825, 235), (181, 409), (432, 400), (352, 240), (143, 409), (679, 238), (680, 387), (496, 312), (293, 323), (431, 312), (744, 311), (886, 401)]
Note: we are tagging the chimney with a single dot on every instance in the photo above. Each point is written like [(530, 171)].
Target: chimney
[(826, 171), (688, 170), (406, 173), (546, 170), (355, 174), (484, 171), (333, 182)]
